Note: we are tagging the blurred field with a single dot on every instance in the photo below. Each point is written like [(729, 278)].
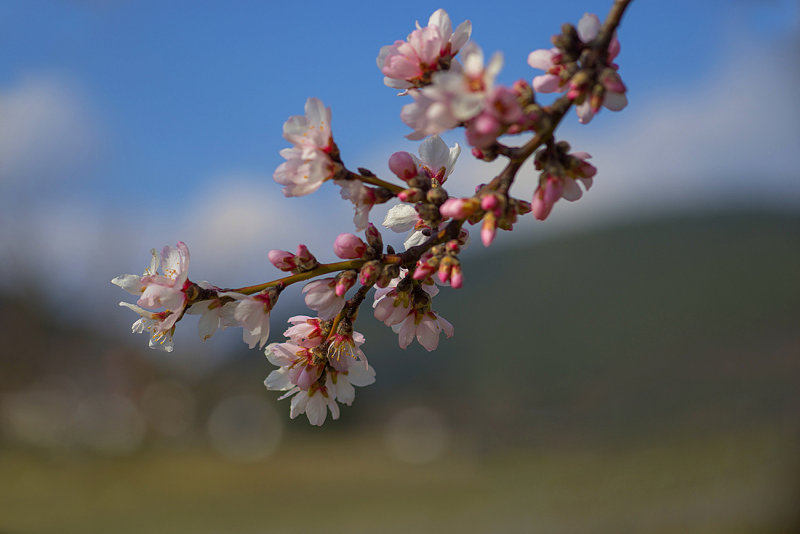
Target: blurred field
[(729, 484), (642, 378)]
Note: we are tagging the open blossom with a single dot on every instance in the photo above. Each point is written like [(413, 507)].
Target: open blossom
[(453, 97), (552, 187), (407, 320), (156, 290), (320, 296), (308, 162), (252, 312), (425, 326), (305, 331), (362, 197), (407, 63), (214, 313), (316, 382), (154, 323)]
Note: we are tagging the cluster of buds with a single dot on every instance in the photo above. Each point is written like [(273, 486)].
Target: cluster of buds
[(443, 260), (560, 173), (451, 86), (579, 66)]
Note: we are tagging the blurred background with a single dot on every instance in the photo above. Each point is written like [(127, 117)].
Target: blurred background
[(630, 365)]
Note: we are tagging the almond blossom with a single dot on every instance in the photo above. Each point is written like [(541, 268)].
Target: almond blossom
[(408, 63), (552, 187), (320, 296), (425, 326), (157, 290), (308, 162), (252, 312), (154, 323), (453, 97), (215, 312)]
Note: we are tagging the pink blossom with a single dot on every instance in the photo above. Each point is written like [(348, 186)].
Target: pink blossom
[(160, 290), (550, 62), (406, 63), (305, 331), (453, 97), (308, 162), (320, 296), (362, 197), (425, 326), (252, 312)]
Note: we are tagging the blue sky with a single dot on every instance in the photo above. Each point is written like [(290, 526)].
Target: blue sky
[(137, 123)]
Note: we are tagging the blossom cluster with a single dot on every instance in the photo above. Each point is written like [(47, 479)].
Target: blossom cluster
[(450, 85)]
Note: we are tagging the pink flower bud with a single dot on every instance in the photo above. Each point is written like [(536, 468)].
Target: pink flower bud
[(304, 255), (344, 281), (402, 164), (444, 272), (456, 278), (454, 208), (374, 237), (490, 203), (369, 273), (488, 229), (349, 246), (283, 260), (483, 130)]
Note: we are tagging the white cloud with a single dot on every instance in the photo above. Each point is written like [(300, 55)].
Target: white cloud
[(46, 133)]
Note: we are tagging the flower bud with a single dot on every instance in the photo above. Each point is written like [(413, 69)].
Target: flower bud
[(411, 195), (437, 196), (488, 229), (344, 281), (282, 259), (402, 165), (305, 259), (374, 238), (456, 278), (349, 246), (369, 273)]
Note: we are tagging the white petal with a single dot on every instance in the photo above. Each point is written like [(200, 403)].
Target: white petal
[(316, 411), (278, 380), (401, 218), (572, 191), (615, 101), (588, 27)]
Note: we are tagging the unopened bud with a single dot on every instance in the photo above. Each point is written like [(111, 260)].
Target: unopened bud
[(344, 281), (374, 238), (282, 259), (437, 196), (369, 273), (456, 278), (305, 260), (349, 247), (488, 229), (411, 195), (402, 164)]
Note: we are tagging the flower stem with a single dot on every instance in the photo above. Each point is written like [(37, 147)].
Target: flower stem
[(323, 268)]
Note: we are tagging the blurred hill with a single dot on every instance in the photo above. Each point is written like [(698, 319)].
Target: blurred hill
[(676, 323)]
